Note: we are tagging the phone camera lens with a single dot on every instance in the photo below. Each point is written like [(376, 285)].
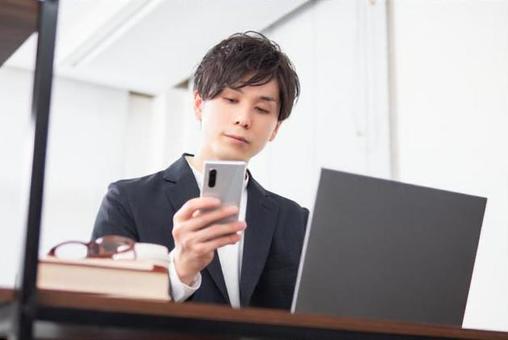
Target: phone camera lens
[(212, 178)]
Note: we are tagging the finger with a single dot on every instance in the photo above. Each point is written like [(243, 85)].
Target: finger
[(195, 204), (218, 230), (212, 245), (205, 219)]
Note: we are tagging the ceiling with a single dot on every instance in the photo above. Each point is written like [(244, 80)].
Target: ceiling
[(146, 46)]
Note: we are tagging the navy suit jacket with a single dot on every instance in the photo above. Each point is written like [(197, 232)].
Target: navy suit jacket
[(143, 209)]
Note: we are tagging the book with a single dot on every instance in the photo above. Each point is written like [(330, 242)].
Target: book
[(140, 279)]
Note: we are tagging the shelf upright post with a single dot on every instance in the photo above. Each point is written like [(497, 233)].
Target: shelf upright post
[(25, 311)]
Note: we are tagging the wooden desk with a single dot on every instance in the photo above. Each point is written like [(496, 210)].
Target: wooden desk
[(64, 315)]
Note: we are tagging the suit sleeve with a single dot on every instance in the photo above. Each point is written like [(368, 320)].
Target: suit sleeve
[(115, 216)]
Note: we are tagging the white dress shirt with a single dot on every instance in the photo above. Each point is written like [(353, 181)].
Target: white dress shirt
[(230, 257)]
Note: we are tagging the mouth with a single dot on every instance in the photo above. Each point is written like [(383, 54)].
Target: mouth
[(237, 138)]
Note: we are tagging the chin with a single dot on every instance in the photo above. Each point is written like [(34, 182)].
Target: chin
[(234, 158), (227, 155)]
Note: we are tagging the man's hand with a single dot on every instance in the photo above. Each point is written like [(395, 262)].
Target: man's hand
[(197, 234)]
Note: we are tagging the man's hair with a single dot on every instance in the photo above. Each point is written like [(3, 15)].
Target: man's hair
[(247, 54)]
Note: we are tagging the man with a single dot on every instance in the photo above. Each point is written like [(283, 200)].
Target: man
[(243, 89)]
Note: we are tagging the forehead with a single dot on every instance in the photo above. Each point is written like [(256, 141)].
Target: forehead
[(268, 91)]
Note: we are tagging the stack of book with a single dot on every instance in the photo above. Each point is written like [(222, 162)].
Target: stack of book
[(140, 279)]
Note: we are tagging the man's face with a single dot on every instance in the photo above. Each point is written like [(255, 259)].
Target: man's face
[(238, 123)]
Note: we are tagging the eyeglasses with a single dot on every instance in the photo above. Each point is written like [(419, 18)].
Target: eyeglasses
[(105, 247)]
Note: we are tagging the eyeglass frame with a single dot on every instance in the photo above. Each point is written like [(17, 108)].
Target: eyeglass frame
[(96, 246)]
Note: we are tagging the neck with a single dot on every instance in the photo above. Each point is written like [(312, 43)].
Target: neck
[(197, 162)]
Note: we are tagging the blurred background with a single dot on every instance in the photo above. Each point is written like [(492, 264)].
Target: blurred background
[(410, 90)]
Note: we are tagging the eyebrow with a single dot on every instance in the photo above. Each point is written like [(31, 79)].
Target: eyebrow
[(266, 98)]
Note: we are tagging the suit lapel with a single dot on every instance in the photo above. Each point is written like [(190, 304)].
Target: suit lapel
[(261, 221), (182, 187)]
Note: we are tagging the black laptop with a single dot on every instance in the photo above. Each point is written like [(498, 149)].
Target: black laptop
[(385, 250)]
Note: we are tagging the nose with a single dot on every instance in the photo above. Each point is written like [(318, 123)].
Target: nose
[(243, 118)]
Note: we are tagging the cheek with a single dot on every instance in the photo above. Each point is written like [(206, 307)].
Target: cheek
[(272, 129), (212, 126)]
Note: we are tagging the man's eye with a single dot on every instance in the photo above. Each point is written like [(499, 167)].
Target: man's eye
[(260, 109), (230, 100)]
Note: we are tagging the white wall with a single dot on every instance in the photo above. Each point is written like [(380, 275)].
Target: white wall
[(15, 155), (341, 119), (451, 106), (182, 130), (86, 150)]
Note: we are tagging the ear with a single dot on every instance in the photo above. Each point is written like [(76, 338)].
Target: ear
[(198, 105), (275, 130)]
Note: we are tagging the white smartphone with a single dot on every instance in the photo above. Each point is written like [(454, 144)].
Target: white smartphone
[(224, 180)]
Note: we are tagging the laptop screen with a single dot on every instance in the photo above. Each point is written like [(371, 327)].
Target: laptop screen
[(380, 249)]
